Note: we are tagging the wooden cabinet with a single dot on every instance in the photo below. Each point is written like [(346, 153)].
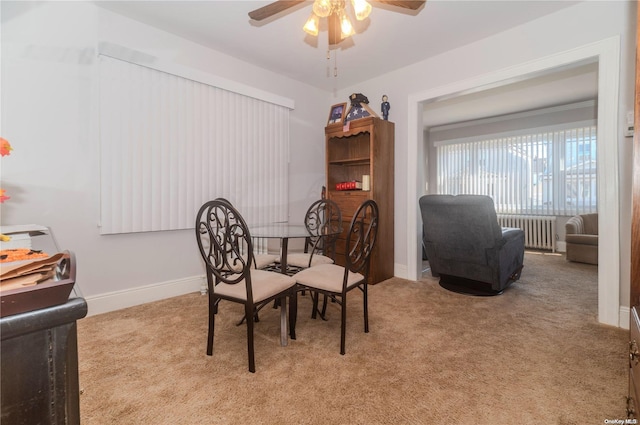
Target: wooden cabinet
[(39, 365), (365, 149), (39, 361)]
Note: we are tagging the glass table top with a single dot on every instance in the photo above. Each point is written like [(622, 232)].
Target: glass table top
[(287, 230)]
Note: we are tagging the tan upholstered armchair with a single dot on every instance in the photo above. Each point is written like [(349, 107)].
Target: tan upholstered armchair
[(582, 238)]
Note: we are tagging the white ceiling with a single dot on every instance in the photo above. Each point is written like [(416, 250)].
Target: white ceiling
[(389, 39)]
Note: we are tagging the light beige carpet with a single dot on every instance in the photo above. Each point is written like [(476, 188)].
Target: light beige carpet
[(534, 355)]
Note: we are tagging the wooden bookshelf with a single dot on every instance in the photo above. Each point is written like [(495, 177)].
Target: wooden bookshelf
[(366, 148)]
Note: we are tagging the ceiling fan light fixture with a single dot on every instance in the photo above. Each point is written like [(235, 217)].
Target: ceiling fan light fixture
[(312, 25), (346, 28), (322, 8), (362, 9)]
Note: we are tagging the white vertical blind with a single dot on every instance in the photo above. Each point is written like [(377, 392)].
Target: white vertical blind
[(547, 172), (169, 144)]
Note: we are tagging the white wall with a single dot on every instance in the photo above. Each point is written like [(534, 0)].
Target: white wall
[(49, 115), (570, 28)]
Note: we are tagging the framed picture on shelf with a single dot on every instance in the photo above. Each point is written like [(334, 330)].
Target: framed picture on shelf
[(336, 115)]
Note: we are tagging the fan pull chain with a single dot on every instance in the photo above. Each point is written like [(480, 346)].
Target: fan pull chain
[(335, 63), (328, 62)]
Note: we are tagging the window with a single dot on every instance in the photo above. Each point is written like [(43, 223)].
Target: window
[(169, 143), (538, 172)]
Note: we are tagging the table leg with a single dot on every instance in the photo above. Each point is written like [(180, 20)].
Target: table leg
[(283, 255)]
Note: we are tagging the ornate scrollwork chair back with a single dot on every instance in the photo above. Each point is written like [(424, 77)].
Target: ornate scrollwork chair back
[(264, 261), (224, 238), (226, 247), (322, 219), (362, 238)]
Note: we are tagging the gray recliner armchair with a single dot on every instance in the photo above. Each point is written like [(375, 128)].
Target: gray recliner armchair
[(466, 246)]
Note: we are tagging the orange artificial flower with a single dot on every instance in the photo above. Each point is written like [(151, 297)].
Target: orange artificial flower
[(5, 147), (2, 197)]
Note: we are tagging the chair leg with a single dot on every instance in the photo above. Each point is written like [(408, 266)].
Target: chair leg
[(293, 313), (324, 307), (284, 338), (366, 308), (248, 313), (213, 307), (343, 325), (314, 297)]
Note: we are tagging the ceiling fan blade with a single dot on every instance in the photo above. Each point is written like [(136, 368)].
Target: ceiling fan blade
[(406, 4), (272, 9)]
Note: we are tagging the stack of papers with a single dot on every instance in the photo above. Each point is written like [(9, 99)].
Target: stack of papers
[(28, 273)]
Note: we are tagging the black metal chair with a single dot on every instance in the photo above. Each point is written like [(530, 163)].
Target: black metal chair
[(336, 281), (321, 220), (227, 250), (263, 261)]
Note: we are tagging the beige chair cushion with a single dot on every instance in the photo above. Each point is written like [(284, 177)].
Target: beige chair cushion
[(327, 277), (302, 260), (263, 260), (264, 285)]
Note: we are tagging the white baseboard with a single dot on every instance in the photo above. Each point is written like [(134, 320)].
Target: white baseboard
[(623, 319), (117, 300)]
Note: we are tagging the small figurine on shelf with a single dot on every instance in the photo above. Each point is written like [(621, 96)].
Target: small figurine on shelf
[(385, 106)]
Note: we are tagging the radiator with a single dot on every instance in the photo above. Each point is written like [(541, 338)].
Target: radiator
[(539, 231)]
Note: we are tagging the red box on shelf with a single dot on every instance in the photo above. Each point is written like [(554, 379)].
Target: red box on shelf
[(352, 185)]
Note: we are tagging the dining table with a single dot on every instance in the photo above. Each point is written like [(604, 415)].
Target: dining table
[(285, 231)]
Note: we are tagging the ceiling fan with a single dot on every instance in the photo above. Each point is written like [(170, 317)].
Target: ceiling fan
[(339, 26)]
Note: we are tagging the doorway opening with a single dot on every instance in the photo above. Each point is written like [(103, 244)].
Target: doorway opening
[(606, 54)]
